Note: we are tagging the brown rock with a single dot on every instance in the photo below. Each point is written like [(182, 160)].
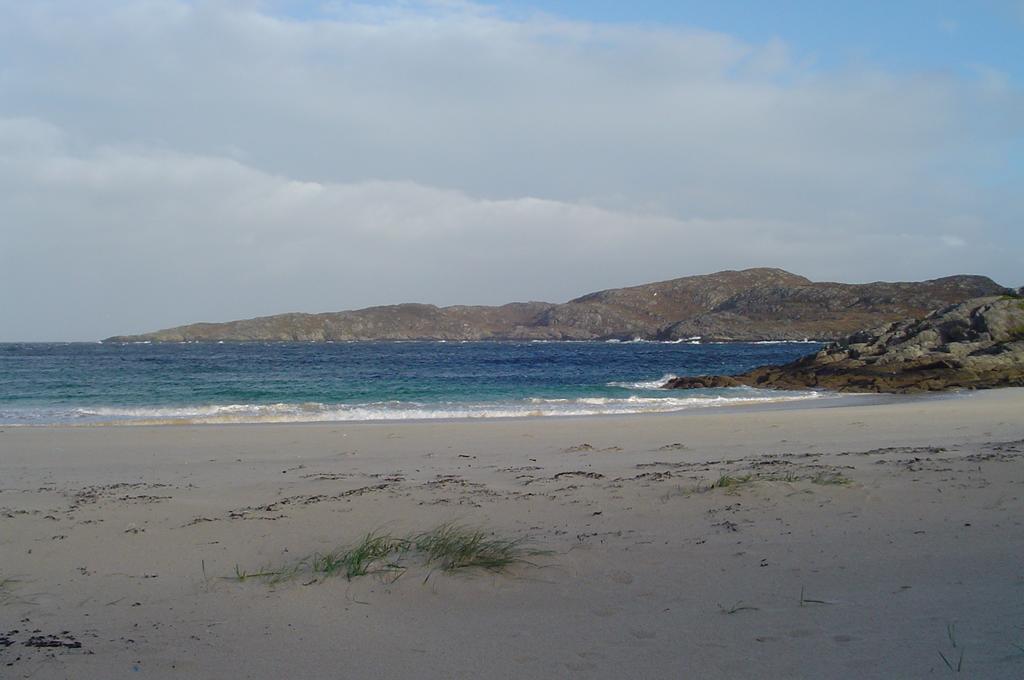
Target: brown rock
[(972, 345)]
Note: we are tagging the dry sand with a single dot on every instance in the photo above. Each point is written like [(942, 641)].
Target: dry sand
[(118, 539)]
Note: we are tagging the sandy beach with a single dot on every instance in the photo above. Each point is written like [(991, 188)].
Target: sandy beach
[(868, 541)]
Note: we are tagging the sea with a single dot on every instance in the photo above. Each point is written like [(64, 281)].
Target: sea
[(141, 383)]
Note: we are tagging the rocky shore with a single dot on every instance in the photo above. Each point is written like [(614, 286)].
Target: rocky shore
[(976, 344)]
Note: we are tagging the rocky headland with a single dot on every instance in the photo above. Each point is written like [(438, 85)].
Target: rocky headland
[(747, 305), (972, 345)]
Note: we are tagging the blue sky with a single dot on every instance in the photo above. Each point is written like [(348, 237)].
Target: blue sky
[(169, 161), (906, 34), (913, 35), (980, 40)]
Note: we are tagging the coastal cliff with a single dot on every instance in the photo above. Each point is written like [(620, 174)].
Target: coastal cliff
[(747, 305), (972, 345)]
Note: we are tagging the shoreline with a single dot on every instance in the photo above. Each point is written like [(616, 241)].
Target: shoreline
[(846, 543), (825, 399)]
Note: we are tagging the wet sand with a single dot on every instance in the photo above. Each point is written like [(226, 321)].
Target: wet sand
[(879, 540)]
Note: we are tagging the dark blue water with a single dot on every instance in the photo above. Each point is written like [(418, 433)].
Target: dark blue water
[(49, 383)]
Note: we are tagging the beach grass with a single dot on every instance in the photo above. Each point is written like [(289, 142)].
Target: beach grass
[(448, 547), (451, 547), (375, 552), (731, 482)]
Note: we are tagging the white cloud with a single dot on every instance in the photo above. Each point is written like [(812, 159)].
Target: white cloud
[(166, 161), (126, 239)]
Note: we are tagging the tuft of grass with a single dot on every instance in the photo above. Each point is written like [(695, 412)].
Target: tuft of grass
[(448, 547), (369, 555), (451, 547), (728, 481), (244, 575), (831, 478)]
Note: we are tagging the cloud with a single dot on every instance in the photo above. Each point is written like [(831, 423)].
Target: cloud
[(125, 239), (163, 162)]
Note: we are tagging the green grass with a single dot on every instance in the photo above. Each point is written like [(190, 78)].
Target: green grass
[(727, 481), (449, 547), (369, 555), (245, 575)]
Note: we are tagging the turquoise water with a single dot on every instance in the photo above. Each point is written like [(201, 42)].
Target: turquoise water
[(256, 382)]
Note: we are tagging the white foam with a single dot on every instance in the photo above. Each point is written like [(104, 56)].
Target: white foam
[(399, 410), (805, 341), (644, 384)]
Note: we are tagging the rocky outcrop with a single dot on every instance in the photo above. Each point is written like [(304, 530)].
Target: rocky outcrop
[(972, 345), (748, 305)]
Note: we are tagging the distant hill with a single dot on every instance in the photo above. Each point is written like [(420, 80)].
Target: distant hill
[(748, 305)]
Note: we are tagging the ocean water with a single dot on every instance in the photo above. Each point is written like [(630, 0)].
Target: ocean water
[(84, 383)]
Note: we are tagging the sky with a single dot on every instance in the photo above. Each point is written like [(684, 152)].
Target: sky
[(169, 161)]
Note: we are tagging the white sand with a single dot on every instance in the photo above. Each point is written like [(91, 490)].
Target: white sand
[(105, 534)]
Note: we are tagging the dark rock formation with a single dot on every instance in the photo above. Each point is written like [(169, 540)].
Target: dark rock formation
[(972, 345), (749, 305)]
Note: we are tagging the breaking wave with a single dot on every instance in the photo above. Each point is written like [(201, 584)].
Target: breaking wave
[(311, 412), (644, 384)]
